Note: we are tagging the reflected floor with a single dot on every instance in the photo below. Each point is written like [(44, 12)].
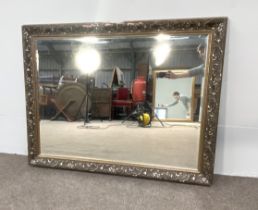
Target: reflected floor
[(176, 145)]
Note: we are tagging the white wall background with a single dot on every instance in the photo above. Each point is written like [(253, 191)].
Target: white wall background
[(237, 144)]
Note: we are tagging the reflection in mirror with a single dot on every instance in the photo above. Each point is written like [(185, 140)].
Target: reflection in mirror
[(125, 99), (174, 98)]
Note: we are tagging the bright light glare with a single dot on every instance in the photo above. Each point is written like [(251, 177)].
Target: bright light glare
[(161, 53), (162, 37), (89, 39), (37, 59), (88, 60)]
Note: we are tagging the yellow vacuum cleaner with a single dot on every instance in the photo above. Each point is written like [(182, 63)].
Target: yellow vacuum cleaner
[(144, 119)]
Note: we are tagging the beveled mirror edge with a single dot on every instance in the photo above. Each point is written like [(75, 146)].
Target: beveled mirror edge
[(216, 25)]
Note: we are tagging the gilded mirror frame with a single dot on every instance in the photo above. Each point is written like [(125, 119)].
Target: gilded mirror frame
[(214, 27)]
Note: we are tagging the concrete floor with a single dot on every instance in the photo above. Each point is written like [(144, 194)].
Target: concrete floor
[(23, 187), (175, 146)]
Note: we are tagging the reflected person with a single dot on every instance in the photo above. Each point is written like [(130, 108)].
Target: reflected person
[(186, 101), (195, 71)]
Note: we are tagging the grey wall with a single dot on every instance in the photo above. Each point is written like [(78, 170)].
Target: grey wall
[(51, 70), (52, 67)]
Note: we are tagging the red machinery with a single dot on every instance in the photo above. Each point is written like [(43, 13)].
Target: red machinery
[(139, 90)]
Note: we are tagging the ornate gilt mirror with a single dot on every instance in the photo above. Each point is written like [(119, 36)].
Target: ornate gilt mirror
[(136, 98)]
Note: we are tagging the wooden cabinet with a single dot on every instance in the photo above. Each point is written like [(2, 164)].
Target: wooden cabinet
[(101, 99)]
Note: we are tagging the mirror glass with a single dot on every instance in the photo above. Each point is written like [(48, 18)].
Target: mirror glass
[(174, 104), (131, 99)]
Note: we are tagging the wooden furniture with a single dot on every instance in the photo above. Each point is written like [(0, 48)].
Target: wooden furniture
[(61, 109), (142, 70), (69, 100), (123, 100), (101, 99), (48, 88), (45, 96)]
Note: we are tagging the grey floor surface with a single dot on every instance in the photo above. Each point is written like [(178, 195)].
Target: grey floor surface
[(23, 187)]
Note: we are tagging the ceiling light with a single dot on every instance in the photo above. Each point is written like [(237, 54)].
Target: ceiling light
[(88, 60), (161, 53)]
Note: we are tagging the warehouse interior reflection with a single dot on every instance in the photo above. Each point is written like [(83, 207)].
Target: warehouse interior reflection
[(133, 99)]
